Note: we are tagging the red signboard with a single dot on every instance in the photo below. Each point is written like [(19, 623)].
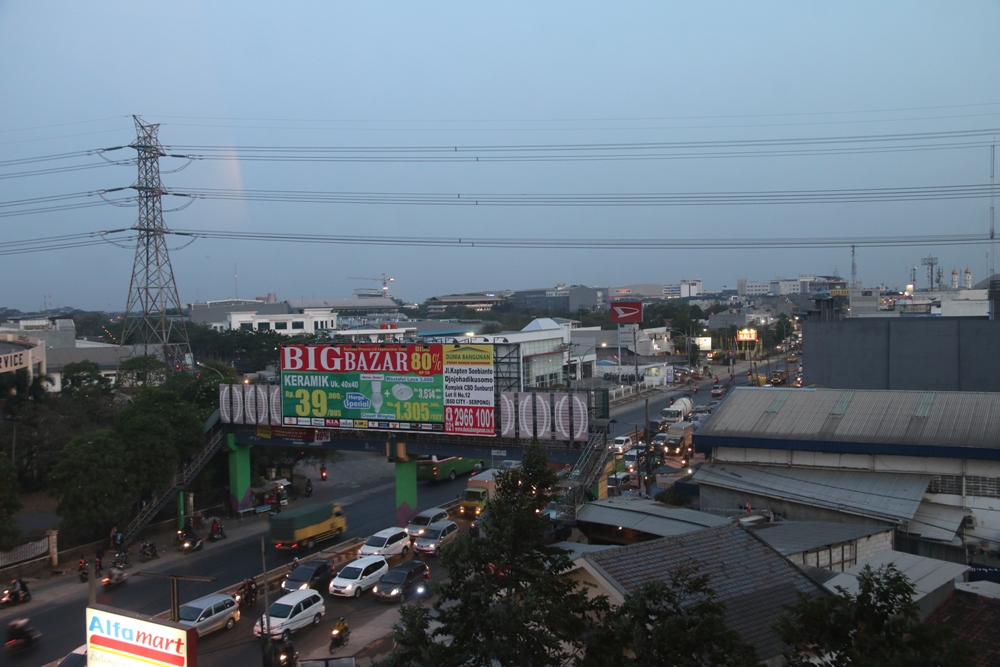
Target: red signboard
[(626, 311)]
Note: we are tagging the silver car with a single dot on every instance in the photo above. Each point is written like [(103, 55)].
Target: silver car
[(210, 613), (436, 536)]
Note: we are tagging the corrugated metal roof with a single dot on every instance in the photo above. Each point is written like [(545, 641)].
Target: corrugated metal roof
[(926, 574), (887, 496), (648, 516), (793, 537), (937, 522), (943, 418)]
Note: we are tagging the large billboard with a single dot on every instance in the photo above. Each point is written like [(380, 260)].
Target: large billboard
[(626, 311), (117, 638), (544, 415), (387, 387)]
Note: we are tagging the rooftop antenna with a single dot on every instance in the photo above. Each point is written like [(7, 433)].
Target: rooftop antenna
[(930, 263)]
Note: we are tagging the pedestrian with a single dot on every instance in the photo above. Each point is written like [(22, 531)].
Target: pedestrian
[(114, 536), (119, 540)]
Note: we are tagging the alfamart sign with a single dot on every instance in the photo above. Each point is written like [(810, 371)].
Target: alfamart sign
[(116, 638)]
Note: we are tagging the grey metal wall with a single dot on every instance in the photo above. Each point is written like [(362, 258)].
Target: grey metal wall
[(923, 354)]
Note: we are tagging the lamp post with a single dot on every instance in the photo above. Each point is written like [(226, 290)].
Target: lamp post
[(198, 363)]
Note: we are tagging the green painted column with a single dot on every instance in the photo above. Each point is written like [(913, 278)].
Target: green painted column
[(406, 491), (240, 496), (180, 509)]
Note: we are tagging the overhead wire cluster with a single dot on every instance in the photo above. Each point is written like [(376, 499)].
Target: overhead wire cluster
[(752, 148)]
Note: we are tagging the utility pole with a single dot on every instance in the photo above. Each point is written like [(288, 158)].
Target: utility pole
[(153, 291)]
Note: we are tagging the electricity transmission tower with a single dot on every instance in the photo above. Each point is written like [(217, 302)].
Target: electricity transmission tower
[(148, 327)]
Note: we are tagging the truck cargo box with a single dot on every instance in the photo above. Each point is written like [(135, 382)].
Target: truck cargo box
[(285, 524)]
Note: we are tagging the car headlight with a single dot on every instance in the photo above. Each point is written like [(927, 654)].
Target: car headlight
[(348, 587), (420, 590), (303, 587), (395, 591)]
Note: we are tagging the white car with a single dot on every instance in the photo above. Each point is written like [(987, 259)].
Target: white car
[(358, 576), (623, 443), (388, 542), (419, 523), (292, 612)]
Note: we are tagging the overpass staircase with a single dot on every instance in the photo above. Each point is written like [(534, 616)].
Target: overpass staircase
[(585, 473), (215, 437)]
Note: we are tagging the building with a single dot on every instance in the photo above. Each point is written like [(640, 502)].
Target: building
[(561, 299), (690, 288), (55, 333), (479, 302), (637, 292), (903, 353), (924, 462), (628, 520)]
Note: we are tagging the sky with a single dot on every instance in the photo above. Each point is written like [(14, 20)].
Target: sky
[(582, 100)]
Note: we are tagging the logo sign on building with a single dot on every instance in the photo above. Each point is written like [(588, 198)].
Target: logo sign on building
[(747, 335), (545, 416), (627, 335), (116, 638), (626, 311), (418, 388)]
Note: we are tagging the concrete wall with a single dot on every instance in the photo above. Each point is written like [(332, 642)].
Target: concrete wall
[(920, 354)]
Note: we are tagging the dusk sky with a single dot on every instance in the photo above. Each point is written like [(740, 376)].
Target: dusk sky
[(576, 111)]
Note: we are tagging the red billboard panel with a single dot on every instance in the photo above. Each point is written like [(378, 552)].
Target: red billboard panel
[(626, 312)]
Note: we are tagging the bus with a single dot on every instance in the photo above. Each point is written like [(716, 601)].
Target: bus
[(437, 468)]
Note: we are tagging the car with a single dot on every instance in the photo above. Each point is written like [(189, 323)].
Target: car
[(660, 440), (420, 522), (718, 391), (622, 444), (388, 542), (210, 613), (403, 581), (509, 464), (435, 537), (290, 613), (78, 658), (358, 576), (631, 460), (314, 573), (619, 482), (476, 529)]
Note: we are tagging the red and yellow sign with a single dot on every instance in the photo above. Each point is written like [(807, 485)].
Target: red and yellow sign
[(123, 639), (747, 335)]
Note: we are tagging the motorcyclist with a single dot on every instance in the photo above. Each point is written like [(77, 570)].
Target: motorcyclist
[(285, 654), (294, 564), (18, 630), (19, 588), (341, 626), (216, 527), (309, 487), (114, 575)]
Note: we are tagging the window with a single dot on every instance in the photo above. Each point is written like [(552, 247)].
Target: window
[(263, 326), (280, 325), (298, 325), (246, 326)]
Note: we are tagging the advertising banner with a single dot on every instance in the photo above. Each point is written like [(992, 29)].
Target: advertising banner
[(747, 335), (703, 342), (385, 387), (545, 416), (626, 311), (249, 404), (117, 638)]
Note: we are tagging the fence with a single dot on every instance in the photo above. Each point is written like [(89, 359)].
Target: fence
[(24, 552)]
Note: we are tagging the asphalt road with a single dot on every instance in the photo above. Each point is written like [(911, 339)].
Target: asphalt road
[(58, 606)]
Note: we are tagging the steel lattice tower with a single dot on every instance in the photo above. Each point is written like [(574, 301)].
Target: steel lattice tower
[(153, 290)]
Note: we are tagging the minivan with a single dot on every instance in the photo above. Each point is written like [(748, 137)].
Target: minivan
[(388, 542), (623, 443), (420, 522), (402, 581), (618, 482), (292, 612), (311, 574), (358, 576), (210, 613), (436, 536)]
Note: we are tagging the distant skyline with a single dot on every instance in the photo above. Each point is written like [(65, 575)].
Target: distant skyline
[(561, 121)]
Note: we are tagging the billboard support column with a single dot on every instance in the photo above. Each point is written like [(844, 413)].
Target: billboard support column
[(406, 485), (240, 497), (180, 510)]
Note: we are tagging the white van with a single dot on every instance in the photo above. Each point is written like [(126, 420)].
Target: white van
[(358, 576), (292, 612), (623, 443), (388, 542), (618, 482)]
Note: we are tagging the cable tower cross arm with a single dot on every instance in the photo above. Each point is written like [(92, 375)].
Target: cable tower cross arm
[(150, 328)]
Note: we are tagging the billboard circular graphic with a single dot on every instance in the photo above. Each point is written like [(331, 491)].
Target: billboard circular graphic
[(260, 417), (238, 405), (541, 419), (224, 412), (579, 423), (506, 416), (275, 405)]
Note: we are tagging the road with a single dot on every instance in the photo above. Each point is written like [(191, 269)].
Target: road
[(58, 606)]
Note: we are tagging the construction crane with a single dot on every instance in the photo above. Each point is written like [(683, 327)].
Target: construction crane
[(384, 280)]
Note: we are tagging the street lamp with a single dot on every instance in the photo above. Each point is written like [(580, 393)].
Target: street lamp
[(198, 363)]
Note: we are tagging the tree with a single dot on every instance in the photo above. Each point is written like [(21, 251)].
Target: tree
[(91, 482), (675, 623), (84, 377), (508, 600), (9, 505), (139, 372), (877, 627)]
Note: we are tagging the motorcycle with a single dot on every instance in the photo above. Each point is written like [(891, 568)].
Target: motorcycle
[(309, 488), (83, 571), (322, 473), (28, 638), (148, 552), (190, 545), (114, 579), (244, 599), (339, 638), (219, 534), (11, 598), (121, 560)]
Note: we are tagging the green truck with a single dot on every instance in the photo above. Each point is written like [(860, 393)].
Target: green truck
[(304, 526), (473, 501)]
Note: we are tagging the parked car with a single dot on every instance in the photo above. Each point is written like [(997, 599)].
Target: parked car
[(210, 613), (292, 612), (509, 464), (314, 574), (358, 576), (388, 542), (622, 444), (436, 536), (420, 522), (403, 581)]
